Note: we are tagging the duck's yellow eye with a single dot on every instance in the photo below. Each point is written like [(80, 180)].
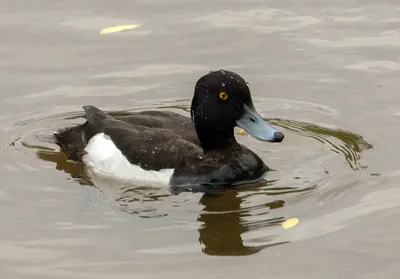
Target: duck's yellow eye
[(223, 96)]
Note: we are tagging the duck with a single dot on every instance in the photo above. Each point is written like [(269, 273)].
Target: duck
[(163, 147)]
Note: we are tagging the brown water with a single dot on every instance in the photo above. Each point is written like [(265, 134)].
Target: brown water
[(326, 73)]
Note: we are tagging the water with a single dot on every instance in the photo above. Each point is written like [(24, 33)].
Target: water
[(323, 72)]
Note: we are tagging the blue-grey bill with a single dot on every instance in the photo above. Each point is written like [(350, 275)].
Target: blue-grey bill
[(255, 126)]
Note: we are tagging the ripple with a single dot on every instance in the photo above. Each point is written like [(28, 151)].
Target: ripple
[(229, 222), (267, 20), (350, 145), (387, 39), (378, 66)]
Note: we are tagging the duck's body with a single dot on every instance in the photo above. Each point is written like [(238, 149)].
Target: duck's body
[(72, 142), (165, 147)]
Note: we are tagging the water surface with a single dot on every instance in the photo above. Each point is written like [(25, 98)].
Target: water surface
[(324, 73)]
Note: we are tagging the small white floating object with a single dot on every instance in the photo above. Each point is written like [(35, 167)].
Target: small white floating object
[(290, 223), (119, 28)]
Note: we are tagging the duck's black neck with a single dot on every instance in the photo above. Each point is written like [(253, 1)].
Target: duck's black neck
[(215, 137), (214, 127)]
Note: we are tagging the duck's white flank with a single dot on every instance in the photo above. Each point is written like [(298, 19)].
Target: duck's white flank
[(105, 159)]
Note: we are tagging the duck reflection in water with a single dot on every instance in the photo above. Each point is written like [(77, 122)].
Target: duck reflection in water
[(224, 223), (224, 219)]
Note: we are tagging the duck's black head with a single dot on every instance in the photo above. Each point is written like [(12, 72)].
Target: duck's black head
[(221, 101)]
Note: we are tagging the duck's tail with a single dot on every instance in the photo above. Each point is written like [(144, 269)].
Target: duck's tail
[(71, 141)]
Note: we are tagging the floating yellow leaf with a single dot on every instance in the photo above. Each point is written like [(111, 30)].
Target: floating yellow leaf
[(242, 132), (291, 222), (119, 28)]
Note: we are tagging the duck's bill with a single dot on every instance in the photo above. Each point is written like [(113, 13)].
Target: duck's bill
[(255, 126)]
